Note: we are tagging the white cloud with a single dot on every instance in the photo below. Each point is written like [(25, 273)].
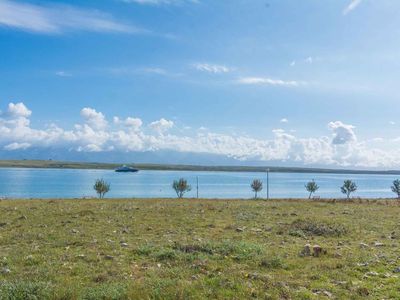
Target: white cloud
[(55, 19), (95, 119), (267, 81), (17, 146), (162, 125), (284, 120), (342, 148), (18, 110), (352, 5), (392, 122), (342, 133), (212, 68)]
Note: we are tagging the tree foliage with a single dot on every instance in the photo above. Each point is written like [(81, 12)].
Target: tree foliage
[(257, 187), (311, 187), (101, 187), (396, 187), (348, 188), (181, 187)]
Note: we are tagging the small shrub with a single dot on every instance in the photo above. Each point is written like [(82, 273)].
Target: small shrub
[(181, 187), (256, 186), (21, 290), (165, 254), (101, 187), (273, 263), (311, 227)]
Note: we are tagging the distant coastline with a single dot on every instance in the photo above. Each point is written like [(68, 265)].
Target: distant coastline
[(51, 164)]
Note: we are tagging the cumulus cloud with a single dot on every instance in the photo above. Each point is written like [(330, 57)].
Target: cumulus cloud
[(284, 120), (340, 147), (352, 6), (56, 19), (212, 68), (18, 110), (162, 125), (267, 81), (95, 119), (342, 133)]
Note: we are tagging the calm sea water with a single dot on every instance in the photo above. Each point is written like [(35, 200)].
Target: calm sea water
[(62, 183)]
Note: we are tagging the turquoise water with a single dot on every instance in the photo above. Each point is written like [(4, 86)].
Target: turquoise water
[(62, 183)]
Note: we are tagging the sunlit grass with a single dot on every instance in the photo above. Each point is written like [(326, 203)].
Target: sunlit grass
[(180, 249)]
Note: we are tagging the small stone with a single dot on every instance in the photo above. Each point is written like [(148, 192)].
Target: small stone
[(81, 256), (372, 273), (396, 270), (362, 264), (306, 250), (5, 271), (74, 231), (364, 245), (158, 265), (240, 229), (327, 294), (378, 244), (124, 245), (109, 257), (317, 250)]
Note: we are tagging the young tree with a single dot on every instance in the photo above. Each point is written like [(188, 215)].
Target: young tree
[(396, 188), (181, 187), (348, 188), (311, 187), (256, 186), (101, 187)]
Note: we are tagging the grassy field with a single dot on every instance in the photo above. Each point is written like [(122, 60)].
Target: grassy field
[(196, 249)]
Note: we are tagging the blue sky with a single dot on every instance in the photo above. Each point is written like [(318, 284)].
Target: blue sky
[(299, 82)]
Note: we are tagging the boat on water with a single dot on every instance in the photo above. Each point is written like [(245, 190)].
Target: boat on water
[(126, 169)]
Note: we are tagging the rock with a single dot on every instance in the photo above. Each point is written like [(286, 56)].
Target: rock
[(327, 294), (81, 256), (396, 270), (5, 271), (240, 229), (317, 250), (378, 244), (124, 245), (362, 264), (23, 217), (364, 245), (306, 250), (74, 231), (109, 257), (372, 273)]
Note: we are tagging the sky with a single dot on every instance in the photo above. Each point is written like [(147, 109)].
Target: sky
[(311, 82)]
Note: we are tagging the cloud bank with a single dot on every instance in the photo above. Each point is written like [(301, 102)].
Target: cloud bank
[(340, 147)]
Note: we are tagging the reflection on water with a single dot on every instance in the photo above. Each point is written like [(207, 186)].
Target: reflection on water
[(63, 183)]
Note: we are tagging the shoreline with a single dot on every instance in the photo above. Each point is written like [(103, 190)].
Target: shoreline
[(50, 164)]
